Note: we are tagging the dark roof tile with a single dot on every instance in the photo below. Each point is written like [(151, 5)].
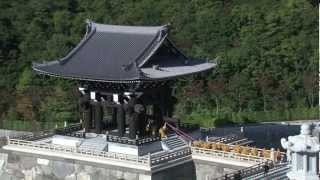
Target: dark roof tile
[(114, 53)]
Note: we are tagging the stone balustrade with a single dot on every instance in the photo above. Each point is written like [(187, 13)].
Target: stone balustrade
[(71, 130), (146, 160), (80, 151), (183, 152), (237, 151), (125, 140), (247, 172), (149, 160), (227, 155)]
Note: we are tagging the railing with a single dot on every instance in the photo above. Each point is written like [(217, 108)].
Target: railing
[(31, 126), (246, 172), (276, 156), (125, 140), (71, 131), (33, 136), (80, 151), (187, 127), (147, 160), (180, 133), (226, 155), (184, 152), (68, 131), (278, 170)]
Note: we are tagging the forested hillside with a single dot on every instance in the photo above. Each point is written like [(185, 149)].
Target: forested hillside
[(267, 52)]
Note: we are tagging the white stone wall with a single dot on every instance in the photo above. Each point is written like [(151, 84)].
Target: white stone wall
[(23, 167)]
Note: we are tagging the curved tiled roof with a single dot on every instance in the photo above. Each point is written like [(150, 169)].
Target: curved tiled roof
[(114, 53)]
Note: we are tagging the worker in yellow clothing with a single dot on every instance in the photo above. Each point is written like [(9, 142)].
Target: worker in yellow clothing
[(163, 131)]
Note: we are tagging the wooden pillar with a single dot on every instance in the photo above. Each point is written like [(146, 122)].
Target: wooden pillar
[(86, 114), (114, 116), (85, 111), (133, 125), (133, 117), (121, 120), (172, 101), (97, 116), (158, 117), (142, 122)]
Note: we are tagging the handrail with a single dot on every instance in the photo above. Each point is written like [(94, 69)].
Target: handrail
[(182, 125), (275, 169), (181, 133), (246, 172), (124, 140), (183, 152)]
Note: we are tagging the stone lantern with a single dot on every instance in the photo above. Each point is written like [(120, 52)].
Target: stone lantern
[(303, 154), (316, 131)]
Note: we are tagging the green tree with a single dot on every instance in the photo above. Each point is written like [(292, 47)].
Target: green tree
[(58, 107)]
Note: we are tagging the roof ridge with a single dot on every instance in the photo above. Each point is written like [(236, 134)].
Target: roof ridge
[(83, 41), (161, 37), (128, 29), (127, 26), (89, 32), (152, 46)]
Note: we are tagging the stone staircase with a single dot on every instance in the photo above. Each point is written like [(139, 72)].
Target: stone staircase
[(277, 173), (231, 139), (241, 142), (173, 142)]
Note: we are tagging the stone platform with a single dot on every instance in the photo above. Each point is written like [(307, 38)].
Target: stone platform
[(148, 157)]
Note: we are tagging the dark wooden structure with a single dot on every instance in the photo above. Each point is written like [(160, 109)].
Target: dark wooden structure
[(126, 74)]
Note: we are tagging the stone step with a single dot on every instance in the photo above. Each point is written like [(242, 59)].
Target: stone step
[(241, 142), (174, 142)]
